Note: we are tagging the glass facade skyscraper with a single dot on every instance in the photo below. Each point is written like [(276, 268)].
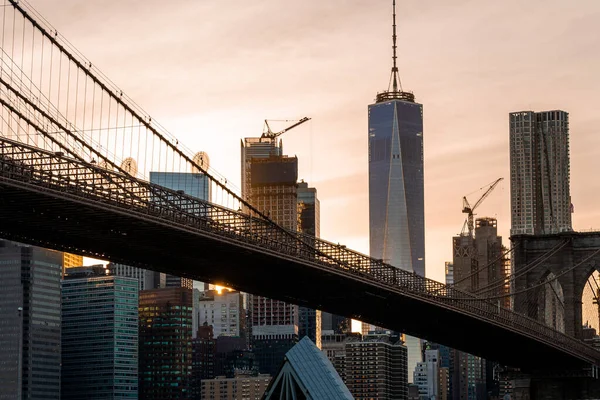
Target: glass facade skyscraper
[(30, 322), (396, 193), (396, 184), (99, 335), (165, 320), (193, 184), (396, 190)]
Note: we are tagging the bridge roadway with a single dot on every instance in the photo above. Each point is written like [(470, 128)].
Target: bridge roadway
[(50, 200)]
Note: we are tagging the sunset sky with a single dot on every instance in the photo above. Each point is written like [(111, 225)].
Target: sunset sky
[(211, 72)]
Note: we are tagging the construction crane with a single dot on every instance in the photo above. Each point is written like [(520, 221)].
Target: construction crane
[(469, 210), (269, 134)]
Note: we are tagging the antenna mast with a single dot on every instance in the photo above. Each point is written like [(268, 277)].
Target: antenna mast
[(395, 91), (395, 78)]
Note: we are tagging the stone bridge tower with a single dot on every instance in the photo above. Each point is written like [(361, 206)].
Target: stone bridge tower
[(551, 273)]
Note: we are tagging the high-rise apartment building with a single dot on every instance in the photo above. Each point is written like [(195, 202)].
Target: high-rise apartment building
[(427, 375), (240, 387), (30, 329), (376, 368), (468, 376), (269, 183), (99, 335), (445, 363), (540, 198), (333, 345), (224, 311), (177, 281), (396, 183), (71, 260), (165, 345)]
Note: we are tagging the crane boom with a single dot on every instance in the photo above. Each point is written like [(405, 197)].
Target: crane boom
[(468, 209), (269, 134)]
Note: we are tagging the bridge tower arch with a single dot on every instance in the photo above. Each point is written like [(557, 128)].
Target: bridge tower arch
[(543, 265)]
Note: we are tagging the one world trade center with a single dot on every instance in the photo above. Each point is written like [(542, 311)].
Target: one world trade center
[(396, 192)]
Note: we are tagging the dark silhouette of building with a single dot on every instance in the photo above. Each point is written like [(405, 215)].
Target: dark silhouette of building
[(165, 348), (204, 355), (309, 223), (30, 322), (225, 347), (335, 324)]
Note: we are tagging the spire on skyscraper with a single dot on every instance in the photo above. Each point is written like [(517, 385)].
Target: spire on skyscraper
[(395, 86), (395, 77)]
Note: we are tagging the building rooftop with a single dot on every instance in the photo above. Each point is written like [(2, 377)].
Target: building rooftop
[(308, 371)]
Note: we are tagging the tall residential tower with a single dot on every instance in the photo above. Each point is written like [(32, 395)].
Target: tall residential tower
[(540, 198), (396, 193)]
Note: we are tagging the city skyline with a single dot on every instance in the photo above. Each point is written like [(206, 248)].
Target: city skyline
[(326, 61)]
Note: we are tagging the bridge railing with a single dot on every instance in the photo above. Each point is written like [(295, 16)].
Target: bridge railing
[(55, 172)]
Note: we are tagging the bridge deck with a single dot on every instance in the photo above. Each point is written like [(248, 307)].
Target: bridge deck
[(44, 205)]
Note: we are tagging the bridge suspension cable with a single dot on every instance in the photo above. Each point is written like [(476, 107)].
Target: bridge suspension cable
[(554, 278), (60, 75), (485, 267), (515, 274)]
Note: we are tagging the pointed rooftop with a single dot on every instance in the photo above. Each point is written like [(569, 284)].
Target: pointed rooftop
[(307, 374)]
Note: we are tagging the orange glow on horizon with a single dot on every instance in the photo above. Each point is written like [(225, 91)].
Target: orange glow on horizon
[(219, 289)]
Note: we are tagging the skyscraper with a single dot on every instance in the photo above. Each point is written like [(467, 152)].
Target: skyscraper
[(71, 260), (396, 200), (224, 311), (396, 192), (427, 375), (204, 351), (269, 183), (309, 220), (540, 198), (99, 335), (376, 368), (165, 347), (30, 329), (484, 266), (195, 184), (145, 278)]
